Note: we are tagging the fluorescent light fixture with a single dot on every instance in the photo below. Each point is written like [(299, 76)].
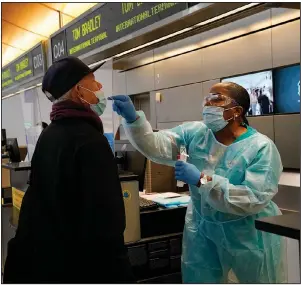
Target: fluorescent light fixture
[(99, 62), (20, 91), (155, 41), (226, 14), (190, 28), (8, 96), (26, 89), (180, 32)]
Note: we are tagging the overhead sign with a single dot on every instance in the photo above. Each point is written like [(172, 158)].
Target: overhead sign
[(7, 79), (58, 46), (29, 65), (108, 23), (38, 61), (22, 68)]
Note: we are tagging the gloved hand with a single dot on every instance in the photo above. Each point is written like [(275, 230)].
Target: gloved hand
[(124, 107), (187, 173)]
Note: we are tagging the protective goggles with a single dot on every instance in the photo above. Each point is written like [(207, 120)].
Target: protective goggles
[(218, 100)]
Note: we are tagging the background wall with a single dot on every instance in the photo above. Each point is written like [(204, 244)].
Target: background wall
[(220, 54), (174, 70), (183, 72), (31, 107), (12, 119)]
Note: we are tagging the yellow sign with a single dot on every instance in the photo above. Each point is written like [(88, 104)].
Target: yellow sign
[(17, 197)]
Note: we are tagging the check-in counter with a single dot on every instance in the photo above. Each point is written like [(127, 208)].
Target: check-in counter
[(19, 177), (155, 248), (5, 182), (288, 196), (156, 257), (287, 225), (6, 192), (153, 238)]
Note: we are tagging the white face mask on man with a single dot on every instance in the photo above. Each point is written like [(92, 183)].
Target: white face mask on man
[(99, 107)]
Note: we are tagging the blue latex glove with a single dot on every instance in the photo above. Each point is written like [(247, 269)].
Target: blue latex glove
[(124, 107), (187, 173)]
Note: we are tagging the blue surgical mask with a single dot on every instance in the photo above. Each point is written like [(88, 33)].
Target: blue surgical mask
[(213, 118), (100, 107)]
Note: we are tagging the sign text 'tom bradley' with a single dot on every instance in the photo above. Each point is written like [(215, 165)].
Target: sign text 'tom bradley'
[(86, 28)]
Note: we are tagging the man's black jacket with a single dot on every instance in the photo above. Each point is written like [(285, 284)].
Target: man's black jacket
[(72, 217)]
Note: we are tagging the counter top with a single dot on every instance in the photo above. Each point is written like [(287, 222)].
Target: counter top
[(17, 166), (153, 222), (161, 208), (290, 178), (286, 225)]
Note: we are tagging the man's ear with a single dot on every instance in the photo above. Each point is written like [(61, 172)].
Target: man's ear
[(76, 90)]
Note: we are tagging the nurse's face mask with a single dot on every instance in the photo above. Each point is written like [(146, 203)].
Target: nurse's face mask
[(214, 107), (99, 107)]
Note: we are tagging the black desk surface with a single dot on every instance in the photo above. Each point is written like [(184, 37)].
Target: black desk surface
[(17, 166), (286, 225)]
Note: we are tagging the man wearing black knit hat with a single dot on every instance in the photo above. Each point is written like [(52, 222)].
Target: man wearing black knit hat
[(72, 217)]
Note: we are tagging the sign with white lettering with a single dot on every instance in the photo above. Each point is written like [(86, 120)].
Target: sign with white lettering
[(108, 23), (38, 61), (58, 46)]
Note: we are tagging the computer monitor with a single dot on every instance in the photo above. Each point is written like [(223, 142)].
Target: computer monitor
[(13, 150), (287, 89), (132, 160), (3, 137), (136, 163), (260, 88)]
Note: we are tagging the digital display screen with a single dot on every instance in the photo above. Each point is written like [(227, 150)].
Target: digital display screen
[(287, 89), (260, 88)]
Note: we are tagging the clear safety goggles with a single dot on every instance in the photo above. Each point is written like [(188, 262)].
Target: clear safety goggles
[(218, 100)]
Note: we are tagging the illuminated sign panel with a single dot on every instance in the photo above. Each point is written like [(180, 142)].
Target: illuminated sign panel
[(22, 68), (108, 23), (28, 65)]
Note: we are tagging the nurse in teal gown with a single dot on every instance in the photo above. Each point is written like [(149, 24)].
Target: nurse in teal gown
[(233, 173)]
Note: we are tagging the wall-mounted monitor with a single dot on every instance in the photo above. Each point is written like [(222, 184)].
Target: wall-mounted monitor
[(260, 88), (287, 89)]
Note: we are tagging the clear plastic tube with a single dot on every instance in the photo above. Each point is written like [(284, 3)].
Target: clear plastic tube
[(182, 157)]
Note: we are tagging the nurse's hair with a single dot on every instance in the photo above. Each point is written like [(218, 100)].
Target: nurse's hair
[(241, 96)]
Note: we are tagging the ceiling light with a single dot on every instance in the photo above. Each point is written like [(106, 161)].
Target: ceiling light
[(8, 96), (190, 28), (226, 14)]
